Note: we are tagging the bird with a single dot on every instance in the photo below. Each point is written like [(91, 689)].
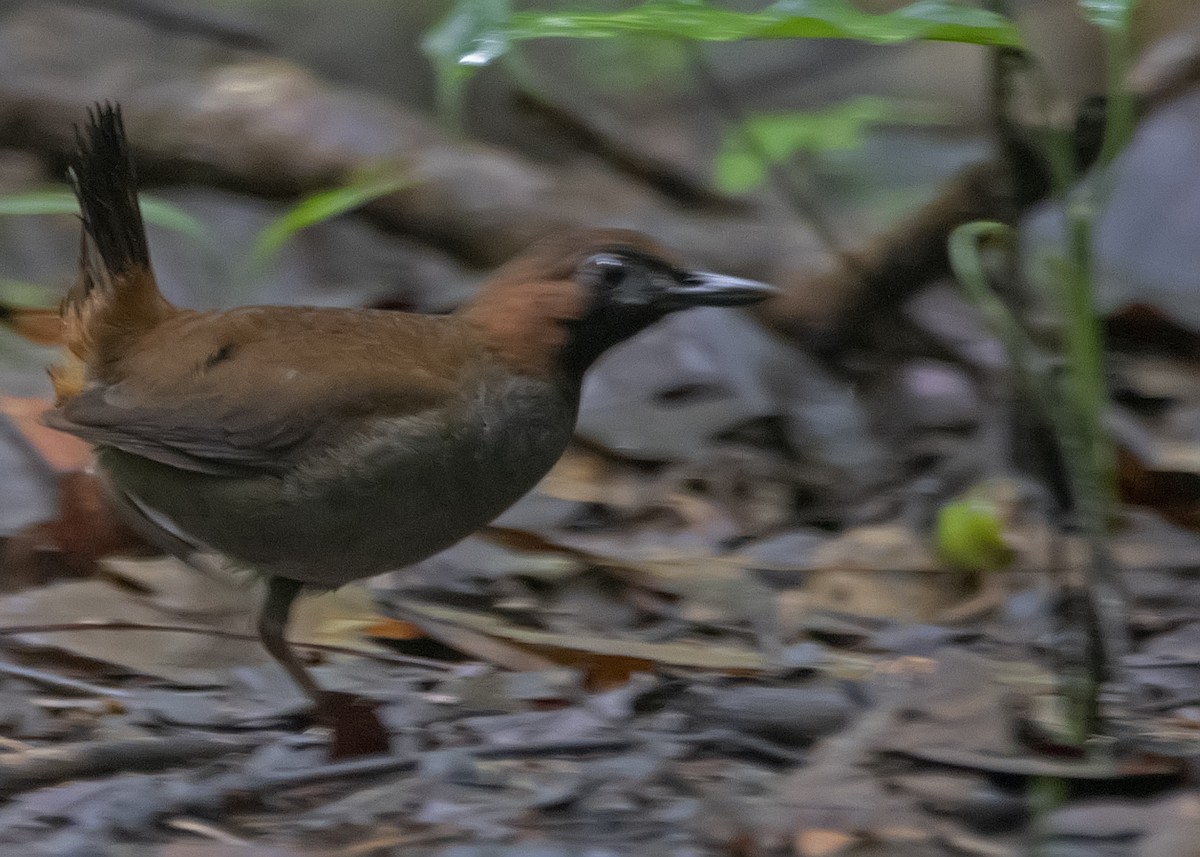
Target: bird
[(315, 446)]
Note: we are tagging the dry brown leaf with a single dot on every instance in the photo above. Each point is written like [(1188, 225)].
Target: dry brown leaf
[(875, 548), (394, 629), (817, 842), (85, 529), (521, 540), (901, 833), (165, 591), (713, 589), (585, 476), (884, 570), (338, 618), (63, 452), (603, 656), (225, 849), (486, 648), (191, 660), (1168, 487)]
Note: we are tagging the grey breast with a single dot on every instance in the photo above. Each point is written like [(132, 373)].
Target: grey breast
[(389, 495)]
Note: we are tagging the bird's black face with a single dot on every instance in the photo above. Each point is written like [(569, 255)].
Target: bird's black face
[(628, 291)]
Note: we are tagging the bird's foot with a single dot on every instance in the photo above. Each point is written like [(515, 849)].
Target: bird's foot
[(354, 726)]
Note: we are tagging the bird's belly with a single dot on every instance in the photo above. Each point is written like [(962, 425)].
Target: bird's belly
[(378, 501), (396, 509)]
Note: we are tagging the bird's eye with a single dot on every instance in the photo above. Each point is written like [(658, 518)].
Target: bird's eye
[(617, 280), (607, 271), (613, 274)]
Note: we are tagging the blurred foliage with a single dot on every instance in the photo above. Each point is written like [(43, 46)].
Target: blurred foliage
[(63, 202), (461, 41), (739, 164), (1072, 399), (19, 293), (1115, 18), (309, 211), (629, 66), (317, 208), (788, 19), (1108, 14), (477, 32)]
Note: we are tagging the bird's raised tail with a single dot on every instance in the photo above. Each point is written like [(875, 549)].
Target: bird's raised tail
[(115, 297)]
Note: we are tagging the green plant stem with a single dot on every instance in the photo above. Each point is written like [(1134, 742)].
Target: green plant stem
[(1092, 467), (1084, 338), (1120, 114), (1046, 794), (1076, 412), (967, 263)]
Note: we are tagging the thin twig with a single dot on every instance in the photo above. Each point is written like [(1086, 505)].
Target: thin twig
[(58, 682), (377, 765), (731, 739), (208, 831), (733, 114), (122, 625), (594, 137), (437, 834)]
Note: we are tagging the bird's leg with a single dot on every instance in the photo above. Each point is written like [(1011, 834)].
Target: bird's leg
[(356, 728), (272, 623)]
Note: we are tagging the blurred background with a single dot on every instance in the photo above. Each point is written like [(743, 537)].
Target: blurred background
[(238, 109), (824, 496)]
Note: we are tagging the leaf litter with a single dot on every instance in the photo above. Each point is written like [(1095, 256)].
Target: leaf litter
[(625, 682)]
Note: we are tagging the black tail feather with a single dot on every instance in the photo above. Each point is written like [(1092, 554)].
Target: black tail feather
[(103, 177)]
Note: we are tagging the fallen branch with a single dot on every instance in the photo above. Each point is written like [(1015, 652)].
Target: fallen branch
[(41, 766)]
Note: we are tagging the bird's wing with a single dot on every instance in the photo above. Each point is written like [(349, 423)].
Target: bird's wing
[(254, 390)]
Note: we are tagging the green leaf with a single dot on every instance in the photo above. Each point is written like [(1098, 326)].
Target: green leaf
[(41, 202), (1108, 14), (472, 34), (623, 67), (318, 208), (63, 202), (477, 32), (1115, 18), (738, 166), (177, 220)]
